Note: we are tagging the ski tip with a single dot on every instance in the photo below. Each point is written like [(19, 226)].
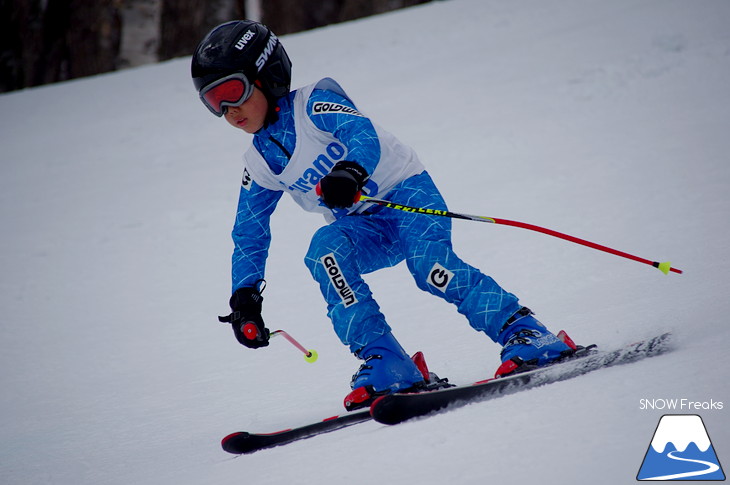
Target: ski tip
[(229, 443), (665, 341), (656, 345)]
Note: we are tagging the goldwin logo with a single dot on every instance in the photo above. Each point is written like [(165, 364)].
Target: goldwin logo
[(323, 107), (338, 280)]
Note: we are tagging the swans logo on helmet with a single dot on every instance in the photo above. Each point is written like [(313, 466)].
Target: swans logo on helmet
[(261, 61)]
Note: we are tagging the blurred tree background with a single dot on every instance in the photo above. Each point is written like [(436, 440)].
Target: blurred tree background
[(45, 41)]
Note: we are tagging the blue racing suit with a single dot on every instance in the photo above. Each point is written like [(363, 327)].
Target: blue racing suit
[(363, 238)]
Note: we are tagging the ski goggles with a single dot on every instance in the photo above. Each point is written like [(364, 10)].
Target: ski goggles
[(232, 90)]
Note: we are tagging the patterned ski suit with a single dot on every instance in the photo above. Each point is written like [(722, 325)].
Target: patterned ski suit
[(318, 126)]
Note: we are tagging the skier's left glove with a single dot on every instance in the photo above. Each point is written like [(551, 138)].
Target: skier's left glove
[(341, 187), (248, 325)]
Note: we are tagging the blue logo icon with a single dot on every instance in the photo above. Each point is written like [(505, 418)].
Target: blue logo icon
[(680, 450)]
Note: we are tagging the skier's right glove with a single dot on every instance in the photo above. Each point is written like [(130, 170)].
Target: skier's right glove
[(341, 188), (248, 326)]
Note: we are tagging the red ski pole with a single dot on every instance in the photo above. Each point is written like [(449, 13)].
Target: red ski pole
[(664, 267)]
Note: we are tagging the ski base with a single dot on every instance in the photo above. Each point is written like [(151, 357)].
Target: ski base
[(396, 408)]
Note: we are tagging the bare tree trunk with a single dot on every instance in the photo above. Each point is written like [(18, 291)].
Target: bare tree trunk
[(21, 41), (141, 33), (92, 38), (254, 10), (55, 40)]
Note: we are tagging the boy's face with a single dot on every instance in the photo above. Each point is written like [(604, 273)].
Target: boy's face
[(250, 115)]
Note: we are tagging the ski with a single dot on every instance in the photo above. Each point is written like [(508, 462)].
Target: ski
[(396, 408), (243, 442)]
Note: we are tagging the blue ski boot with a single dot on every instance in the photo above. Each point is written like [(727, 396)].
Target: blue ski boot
[(387, 369), (527, 344)]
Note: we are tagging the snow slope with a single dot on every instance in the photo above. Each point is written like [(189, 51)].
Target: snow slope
[(605, 120)]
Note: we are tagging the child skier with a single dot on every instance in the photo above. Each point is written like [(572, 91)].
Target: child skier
[(316, 145)]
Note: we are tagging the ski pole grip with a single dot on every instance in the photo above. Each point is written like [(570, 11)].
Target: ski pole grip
[(249, 330)]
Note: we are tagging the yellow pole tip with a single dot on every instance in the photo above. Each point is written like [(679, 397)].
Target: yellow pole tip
[(665, 267), (312, 357)]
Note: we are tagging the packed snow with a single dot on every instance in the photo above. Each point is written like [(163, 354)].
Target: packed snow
[(605, 120)]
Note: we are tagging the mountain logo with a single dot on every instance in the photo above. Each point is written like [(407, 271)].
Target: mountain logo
[(680, 450)]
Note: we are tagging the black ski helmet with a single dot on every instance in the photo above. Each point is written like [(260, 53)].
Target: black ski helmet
[(247, 47)]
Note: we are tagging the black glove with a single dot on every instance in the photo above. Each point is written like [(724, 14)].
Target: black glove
[(341, 187), (248, 326)]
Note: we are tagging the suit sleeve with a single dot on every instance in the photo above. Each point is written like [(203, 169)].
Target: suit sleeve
[(252, 233)]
